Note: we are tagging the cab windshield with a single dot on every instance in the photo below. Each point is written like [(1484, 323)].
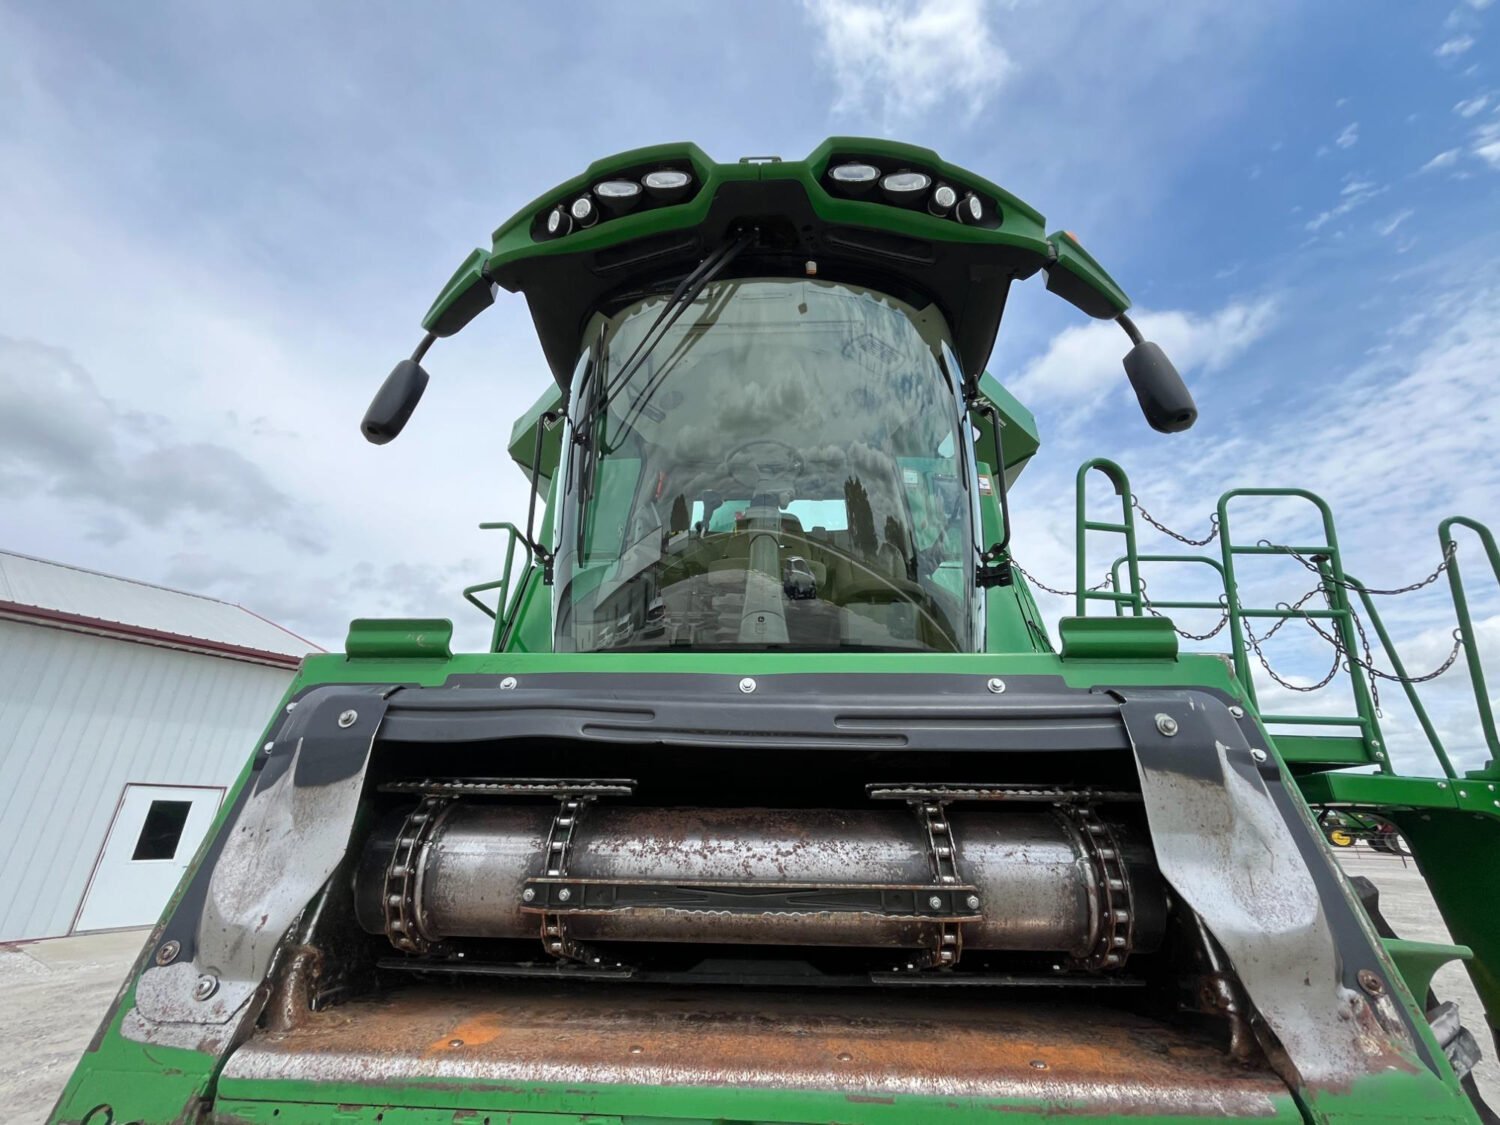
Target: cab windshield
[(785, 470)]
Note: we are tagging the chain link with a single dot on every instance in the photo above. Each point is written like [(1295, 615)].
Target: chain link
[(1213, 525), (1037, 582), (1355, 587)]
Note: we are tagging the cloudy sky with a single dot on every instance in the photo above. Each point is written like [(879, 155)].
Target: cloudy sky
[(221, 223)]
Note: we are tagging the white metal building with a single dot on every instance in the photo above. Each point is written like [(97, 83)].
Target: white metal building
[(126, 712)]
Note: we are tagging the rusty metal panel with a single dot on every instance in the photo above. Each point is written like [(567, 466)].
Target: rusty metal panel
[(1093, 1059)]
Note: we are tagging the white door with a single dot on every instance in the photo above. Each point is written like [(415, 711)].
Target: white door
[(156, 831)]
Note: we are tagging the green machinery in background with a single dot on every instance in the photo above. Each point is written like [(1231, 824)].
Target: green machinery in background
[(772, 799)]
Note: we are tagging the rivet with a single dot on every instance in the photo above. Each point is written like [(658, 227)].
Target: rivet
[(207, 985), (1167, 725), (1237, 712), (292, 706), (996, 685), (747, 685), (844, 1056), (1442, 785), (972, 902), (1370, 981), (348, 718), (636, 1048), (508, 684), (168, 952), (1463, 792), (935, 902), (1258, 754), (1038, 1064), (268, 747), (455, 1042)]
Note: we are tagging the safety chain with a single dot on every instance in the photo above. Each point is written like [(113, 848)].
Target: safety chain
[(1037, 582), (1208, 636), (1311, 564), (1343, 659), (1213, 526)]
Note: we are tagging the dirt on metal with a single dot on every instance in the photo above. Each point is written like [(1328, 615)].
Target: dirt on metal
[(1072, 1057)]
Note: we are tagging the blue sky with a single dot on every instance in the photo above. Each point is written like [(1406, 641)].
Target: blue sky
[(222, 223)]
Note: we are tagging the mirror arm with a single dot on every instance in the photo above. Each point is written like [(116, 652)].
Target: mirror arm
[(998, 572), (543, 555), (1130, 329), (422, 347)]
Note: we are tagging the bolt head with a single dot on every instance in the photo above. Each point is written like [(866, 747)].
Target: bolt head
[(935, 902), (508, 684), (1370, 981), (747, 685), (1258, 754), (528, 894), (996, 685), (1167, 725), (972, 902), (564, 894), (167, 952), (207, 985), (348, 718), (1237, 712)]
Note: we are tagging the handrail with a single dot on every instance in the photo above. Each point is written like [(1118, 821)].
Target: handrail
[(1407, 686), (1331, 571), (1083, 525), (1467, 637), (508, 601)]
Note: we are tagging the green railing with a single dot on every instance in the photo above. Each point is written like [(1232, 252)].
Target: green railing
[(1127, 594), (1135, 598), (509, 597)]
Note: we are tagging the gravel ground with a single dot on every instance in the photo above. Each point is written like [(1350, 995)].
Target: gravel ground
[(54, 993)]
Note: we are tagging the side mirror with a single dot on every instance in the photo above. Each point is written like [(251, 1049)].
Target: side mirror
[(393, 403), (1165, 400)]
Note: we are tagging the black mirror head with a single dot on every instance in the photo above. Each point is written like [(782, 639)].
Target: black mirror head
[(393, 403), (1165, 400)]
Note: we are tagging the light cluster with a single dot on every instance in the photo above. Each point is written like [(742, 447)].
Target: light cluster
[(616, 197), (905, 187)]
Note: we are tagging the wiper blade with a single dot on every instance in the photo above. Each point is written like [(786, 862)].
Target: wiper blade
[(682, 297)]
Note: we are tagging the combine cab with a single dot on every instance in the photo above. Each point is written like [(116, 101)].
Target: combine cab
[(772, 799)]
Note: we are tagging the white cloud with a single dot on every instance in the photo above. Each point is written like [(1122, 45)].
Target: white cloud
[(1388, 226), (1349, 137), (1445, 159), (1471, 106), (903, 60), (1083, 361), (1450, 48), (1487, 144), (1353, 194)]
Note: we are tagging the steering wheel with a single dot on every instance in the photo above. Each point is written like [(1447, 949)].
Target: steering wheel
[(738, 461), (885, 590)]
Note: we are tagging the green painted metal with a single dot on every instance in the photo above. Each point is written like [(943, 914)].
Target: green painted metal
[(507, 599), (1117, 638), (1466, 627), (1448, 821), (399, 638), (1419, 960), (1135, 597)]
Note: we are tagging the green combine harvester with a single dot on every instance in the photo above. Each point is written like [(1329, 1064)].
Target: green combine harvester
[(773, 799)]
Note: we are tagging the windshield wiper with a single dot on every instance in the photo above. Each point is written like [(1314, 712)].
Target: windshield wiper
[(682, 297), (605, 392)]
